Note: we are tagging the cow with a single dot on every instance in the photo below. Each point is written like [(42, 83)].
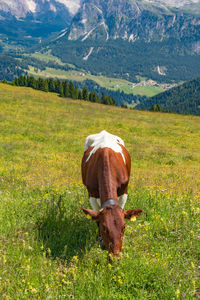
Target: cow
[(106, 166)]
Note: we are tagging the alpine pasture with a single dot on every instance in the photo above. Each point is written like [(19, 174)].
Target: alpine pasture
[(48, 248)]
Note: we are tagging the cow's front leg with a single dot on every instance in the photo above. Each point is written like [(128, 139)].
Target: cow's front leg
[(101, 242), (96, 205)]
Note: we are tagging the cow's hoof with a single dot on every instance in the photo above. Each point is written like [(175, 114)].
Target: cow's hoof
[(101, 242)]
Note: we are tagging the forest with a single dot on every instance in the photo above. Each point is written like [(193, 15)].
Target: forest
[(183, 99), (117, 58), (10, 67)]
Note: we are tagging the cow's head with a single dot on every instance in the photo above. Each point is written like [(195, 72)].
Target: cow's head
[(112, 225)]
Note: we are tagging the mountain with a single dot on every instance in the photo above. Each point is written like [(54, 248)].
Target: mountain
[(133, 19), (28, 21), (20, 8), (157, 39), (183, 99), (125, 38)]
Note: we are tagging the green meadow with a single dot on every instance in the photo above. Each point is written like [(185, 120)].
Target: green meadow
[(48, 248), (113, 84)]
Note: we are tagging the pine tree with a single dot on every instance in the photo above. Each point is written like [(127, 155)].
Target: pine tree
[(80, 95), (85, 94), (16, 81), (93, 97), (31, 82), (58, 84), (152, 108), (61, 91), (65, 88), (71, 89), (42, 85), (103, 98), (75, 93), (51, 85), (21, 81), (114, 102), (157, 107), (25, 80)]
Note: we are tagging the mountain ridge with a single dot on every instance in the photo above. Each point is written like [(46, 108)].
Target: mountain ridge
[(25, 22), (133, 38), (123, 38), (20, 8), (113, 19), (130, 20)]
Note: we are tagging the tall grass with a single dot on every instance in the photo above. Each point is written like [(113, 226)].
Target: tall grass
[(48, 248)]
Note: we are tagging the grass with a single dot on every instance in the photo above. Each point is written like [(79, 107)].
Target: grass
[(47, 57), (148, 91), (48, 249)]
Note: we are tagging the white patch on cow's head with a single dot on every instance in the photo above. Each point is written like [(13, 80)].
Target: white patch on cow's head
[(104, 140)]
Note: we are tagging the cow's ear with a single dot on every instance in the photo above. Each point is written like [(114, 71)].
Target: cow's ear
[(132, 213), (92, 213)]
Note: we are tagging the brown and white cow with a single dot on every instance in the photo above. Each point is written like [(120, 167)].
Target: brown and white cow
[(106, 166)]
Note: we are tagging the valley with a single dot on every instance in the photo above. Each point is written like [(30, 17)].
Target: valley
[(144, 88), (157, 40), (138, 48)]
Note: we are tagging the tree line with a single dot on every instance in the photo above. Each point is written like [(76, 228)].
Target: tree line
[(183, 99), (64, 88)]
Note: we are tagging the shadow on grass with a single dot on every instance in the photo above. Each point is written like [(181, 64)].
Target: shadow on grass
[(64, 230)]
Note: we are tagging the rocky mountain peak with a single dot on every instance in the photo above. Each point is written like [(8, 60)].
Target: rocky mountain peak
[(20, 8), (133, 19)]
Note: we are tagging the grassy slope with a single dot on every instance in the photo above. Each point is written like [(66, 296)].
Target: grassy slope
[(48, 248)]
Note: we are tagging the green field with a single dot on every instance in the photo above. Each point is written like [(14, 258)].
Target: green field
[(48, 248), (47, 57), (109, 83)]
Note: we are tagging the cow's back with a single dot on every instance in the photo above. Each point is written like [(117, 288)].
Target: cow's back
[(105, 166)]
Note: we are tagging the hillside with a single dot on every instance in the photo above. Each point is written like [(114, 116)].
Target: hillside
[(154, 39), (48, 248), (121, 59), (183, 99), (46, 65)]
